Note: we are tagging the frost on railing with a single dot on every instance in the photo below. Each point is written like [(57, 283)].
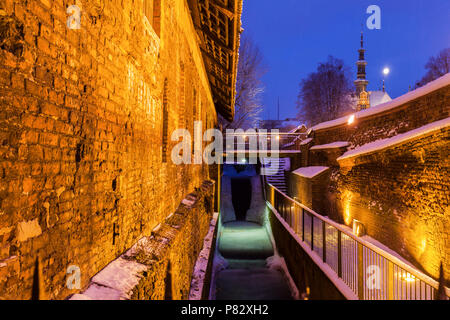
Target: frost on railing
[(368, 271)]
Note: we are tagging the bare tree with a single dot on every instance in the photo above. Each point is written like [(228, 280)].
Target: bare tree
[(249, 87), (436, 67), (325, 94)]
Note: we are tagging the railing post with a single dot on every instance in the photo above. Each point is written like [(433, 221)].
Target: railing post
[(339, 253), (390, 280), (312, 232), (324, 241), (291, 215), (360, 272), (303, 224)]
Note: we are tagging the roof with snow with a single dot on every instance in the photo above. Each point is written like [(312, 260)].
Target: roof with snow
[(378, 97), (333, 145), (428, 88), (310, 172), (398, 139)]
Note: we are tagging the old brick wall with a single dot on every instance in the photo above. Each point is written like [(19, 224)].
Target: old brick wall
[(309, 191), (416, 113), (159, 266), (401, 195), (81, 132)]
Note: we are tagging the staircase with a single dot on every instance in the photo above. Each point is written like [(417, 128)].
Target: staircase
[(275, 168)]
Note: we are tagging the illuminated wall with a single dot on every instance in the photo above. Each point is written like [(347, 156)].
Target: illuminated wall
[(401, 195), (81, 118)]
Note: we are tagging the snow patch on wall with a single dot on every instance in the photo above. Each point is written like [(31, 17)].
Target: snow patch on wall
[(337, 144), (398, 139), (310, 172)]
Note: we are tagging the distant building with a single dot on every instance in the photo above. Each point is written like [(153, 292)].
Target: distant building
[(364, 99)]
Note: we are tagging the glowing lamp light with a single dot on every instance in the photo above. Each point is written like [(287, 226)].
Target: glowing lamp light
[(278, 137), (243, 161), (358, 228), (409, 278), (386, 71), (351, 119)]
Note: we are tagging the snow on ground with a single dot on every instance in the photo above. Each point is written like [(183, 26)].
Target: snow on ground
[(201, 266), (115, 282), (398, 139), (310, 172), (278, 263), (432, 86), (337, 144)]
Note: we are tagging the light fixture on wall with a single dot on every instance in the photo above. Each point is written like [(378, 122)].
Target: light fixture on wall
[(358, 228), (351, 119)]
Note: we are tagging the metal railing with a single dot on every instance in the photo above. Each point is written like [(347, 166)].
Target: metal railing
[(370, 272), (263, 141)]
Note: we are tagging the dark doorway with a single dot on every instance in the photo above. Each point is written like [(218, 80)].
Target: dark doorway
[(241, 192)]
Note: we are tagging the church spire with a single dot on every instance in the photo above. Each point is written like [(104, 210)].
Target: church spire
[(362, 40), (361, 81)]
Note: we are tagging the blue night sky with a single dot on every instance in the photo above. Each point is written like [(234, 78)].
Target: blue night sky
[(295, 35)]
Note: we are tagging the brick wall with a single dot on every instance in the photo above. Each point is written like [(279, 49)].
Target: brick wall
[(414, 114), (309, 191), (81, 133), (401, 195)]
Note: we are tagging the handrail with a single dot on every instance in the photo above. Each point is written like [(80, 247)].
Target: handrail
[(386, 255)]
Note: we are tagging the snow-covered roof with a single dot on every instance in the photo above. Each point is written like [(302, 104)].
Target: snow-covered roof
[(306, 141), (430, 87), (378, 97), (310, 172), (398, 139), (297, 128), (333, 145)]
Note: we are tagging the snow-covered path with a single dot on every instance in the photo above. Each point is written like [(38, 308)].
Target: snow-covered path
[(245, 246)]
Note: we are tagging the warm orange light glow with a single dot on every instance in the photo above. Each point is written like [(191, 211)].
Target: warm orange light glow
[(408, 278), (347, 197), (423, 245), (351, 119)]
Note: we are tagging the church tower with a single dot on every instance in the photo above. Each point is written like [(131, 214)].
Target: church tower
[(361, 81)]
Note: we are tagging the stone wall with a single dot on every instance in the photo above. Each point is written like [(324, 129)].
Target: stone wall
[(309, 191), (84, 118), (408, 116), (159, 267), (401, 195)]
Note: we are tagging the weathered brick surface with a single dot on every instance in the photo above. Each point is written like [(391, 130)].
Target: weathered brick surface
[(401, 195), (163, 262), (81, 133), (414, 114), (309, 191)]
